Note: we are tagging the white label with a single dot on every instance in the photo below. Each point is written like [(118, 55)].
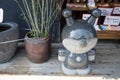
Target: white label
[(1, 15), (116, 10), (78, 1), (112, 20), (86, 16), (106, 11), (97, 27), (91, 3)]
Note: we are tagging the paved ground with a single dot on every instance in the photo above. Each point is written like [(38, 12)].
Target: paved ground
[(106, 65)]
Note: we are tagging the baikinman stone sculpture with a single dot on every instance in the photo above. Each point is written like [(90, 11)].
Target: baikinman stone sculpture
[(79, 39)]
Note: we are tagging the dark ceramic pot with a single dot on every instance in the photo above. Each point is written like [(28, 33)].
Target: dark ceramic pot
[(38, 49), (8, 31)]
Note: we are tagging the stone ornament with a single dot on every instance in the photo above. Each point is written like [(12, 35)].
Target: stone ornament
[(79, 39)]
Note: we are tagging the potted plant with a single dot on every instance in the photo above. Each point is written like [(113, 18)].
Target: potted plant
[(39, 15)]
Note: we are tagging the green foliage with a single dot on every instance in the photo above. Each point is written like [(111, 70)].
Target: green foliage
[(39, 15), (32, 34)]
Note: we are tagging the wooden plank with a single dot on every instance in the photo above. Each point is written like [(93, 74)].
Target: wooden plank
[(36, 77), (104, 46), (108, 34), (106, 65), (77, 7)]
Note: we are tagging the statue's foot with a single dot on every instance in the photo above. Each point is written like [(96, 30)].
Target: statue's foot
[(68, 71), (84, 71), (76, 71)]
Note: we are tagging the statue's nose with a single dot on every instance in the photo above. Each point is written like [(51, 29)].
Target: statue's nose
[(83, 43)]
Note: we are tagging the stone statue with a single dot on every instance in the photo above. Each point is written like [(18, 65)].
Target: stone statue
[(79, 39)]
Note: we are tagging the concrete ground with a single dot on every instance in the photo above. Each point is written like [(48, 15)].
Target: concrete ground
[(105, 67)]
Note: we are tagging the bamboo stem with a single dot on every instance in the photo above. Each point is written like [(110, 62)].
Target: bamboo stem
[(40, 14)]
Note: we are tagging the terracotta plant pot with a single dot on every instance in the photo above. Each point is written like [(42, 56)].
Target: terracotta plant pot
[(8, 32), (38, 50)]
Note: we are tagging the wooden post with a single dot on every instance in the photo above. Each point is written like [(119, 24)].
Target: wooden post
[(68, 1)]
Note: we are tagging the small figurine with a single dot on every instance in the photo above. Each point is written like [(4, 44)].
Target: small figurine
[(79, 39)]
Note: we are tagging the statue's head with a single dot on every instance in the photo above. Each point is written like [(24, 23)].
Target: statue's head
[(80, 37), (80, 41)]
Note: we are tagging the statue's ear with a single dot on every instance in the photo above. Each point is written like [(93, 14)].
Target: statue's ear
[(95, 13), (67, 13)]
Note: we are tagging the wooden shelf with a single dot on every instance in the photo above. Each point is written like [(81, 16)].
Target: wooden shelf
[(82, 6), (108, 34), (78, 7)]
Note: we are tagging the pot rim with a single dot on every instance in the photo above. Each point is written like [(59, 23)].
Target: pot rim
[(34, 38)]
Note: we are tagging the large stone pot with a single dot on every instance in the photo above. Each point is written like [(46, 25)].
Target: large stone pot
[(38, 49), (8, 32)]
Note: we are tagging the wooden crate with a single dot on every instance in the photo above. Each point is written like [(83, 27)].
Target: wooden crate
[(108, 34)]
